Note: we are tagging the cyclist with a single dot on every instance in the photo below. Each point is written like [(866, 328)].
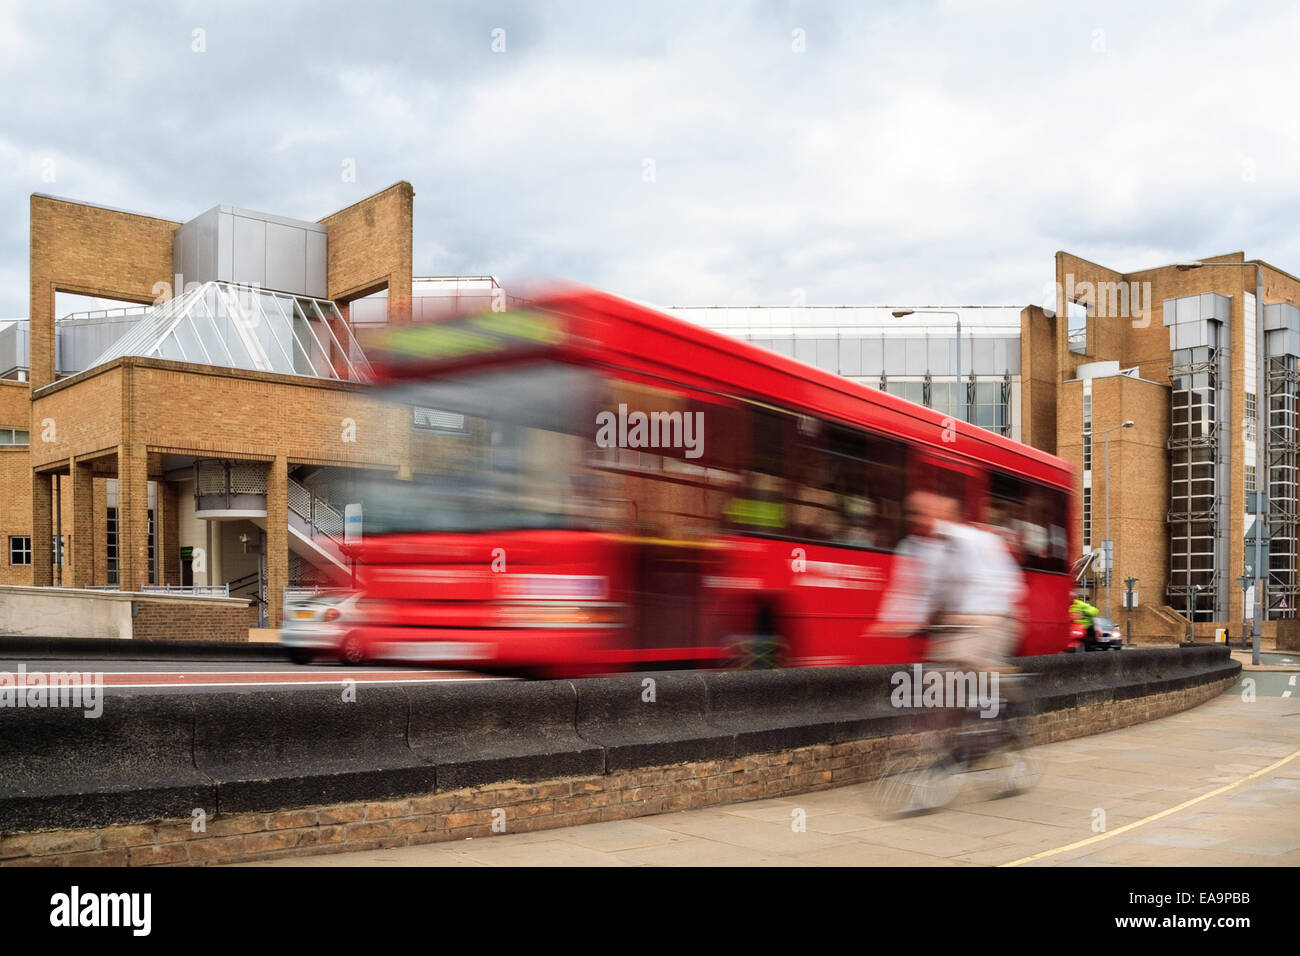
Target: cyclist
[(1085, 615), (957, 580)]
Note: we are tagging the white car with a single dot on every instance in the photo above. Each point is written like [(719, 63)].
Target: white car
[(1109, 636), (319, 625)]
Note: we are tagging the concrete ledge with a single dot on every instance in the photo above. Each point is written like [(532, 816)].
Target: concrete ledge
[(513, 807), (472, 732), (157, 757), (81, 613), (63, 768), (639, 724), (268, 750), (14, 591)]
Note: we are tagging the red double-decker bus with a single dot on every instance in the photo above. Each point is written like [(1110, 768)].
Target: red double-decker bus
[(597, 486)]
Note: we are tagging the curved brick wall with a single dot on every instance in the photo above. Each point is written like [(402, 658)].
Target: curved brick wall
[(281, 773)]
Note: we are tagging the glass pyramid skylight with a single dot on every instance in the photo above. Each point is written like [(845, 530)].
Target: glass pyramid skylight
[(238, 326)]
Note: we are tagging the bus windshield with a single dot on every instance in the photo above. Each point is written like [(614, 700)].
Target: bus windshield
[(491, 450)]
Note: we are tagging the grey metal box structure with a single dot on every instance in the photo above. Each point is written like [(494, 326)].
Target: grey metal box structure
[(230, 244)]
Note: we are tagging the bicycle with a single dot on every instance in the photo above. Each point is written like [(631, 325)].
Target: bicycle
[(930, 771)]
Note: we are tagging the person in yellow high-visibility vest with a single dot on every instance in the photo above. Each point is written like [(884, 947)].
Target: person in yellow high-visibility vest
[(1083, 614)]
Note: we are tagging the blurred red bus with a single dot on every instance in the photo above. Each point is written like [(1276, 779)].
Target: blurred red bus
[(597, 486)]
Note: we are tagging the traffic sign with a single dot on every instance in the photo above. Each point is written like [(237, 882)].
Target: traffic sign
[(352, 524), (1251, 536)]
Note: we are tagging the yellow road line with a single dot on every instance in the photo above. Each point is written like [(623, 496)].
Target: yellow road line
[(1155, 816)]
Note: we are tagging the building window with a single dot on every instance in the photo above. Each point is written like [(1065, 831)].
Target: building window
[(13, 436), (1250, 487), (111, 536), (153, 577), (1087, 519), (1078, 327), (437, 420), (988, 410), (1252, 413), (20, 549), (1193, 454), (56, 550), (1087, 426), (111, 554)]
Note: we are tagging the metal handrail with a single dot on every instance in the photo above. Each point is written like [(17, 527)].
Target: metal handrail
[(292, 594), (204, 590), (120, 311), (321, 516)]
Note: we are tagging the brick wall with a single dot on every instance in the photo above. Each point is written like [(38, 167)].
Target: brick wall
[(1038, 379), (174, 620), (370, 249), (91, 251), (469, 813), (15, 479)]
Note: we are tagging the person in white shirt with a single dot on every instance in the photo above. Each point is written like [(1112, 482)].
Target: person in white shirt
[(958, 580)]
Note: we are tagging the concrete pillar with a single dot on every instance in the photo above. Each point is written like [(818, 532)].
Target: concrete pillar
[(216, 572), (132, 517), (42, 530), (277, 538), (82, 572)]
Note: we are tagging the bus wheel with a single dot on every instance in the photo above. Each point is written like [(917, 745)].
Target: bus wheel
[(352, 650)]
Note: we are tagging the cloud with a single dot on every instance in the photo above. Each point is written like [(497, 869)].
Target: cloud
[(683, 153)]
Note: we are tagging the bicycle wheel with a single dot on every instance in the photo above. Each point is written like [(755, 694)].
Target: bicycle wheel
[(1018, 768), (907, 789)]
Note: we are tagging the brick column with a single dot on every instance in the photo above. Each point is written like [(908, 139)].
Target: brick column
[(169, 525), (100, 546), (83, 527), (41, 324), (42, 530), (132, 517), (277, 538)]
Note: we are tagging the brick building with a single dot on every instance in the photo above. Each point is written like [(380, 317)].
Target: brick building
[(211, 436), (1175, 351)]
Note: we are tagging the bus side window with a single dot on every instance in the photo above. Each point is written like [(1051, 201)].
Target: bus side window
[(757, 503), (885, 490), (1005, 513), (1047, 511), (1033, 517)]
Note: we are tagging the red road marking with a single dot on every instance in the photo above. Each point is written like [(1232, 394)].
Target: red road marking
[(163, 679)]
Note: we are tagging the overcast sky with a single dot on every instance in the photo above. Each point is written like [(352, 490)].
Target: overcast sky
[(682, 153)]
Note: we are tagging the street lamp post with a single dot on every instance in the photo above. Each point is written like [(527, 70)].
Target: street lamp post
[(1192, 593), (961, 391), (1128, 584), (1110, 558), (1244, 581), (1260, 434)]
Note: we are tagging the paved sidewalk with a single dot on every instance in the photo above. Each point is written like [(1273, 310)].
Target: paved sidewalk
[(1120, 778)]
